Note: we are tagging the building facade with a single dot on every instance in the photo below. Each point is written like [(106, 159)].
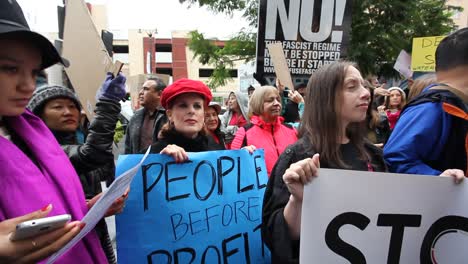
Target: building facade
[(143, 52), (459, 17)]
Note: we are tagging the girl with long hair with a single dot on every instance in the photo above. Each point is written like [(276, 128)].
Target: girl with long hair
[(332, 135)]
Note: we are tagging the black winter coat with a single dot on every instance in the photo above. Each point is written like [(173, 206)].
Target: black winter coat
[(133, 133), (198, 144), (275, 231), (93, 160)]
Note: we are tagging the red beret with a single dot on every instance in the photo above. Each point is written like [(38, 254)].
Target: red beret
[(183, 86)]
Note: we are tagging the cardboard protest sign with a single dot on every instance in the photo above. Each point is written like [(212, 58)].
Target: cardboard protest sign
[(207, 210), (368, 217), (280, 64), (89, 59), (423, 55), (403, 64), (311, 34)]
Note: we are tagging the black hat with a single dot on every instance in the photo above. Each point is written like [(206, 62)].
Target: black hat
[(14, 25), (46, 93)]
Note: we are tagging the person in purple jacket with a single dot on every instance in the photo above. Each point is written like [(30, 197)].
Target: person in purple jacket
[(35, 173)]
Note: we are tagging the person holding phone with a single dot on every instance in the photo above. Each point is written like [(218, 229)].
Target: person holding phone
[(36, 247), (34, 170)]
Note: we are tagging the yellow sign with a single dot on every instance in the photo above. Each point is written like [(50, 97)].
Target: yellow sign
[(423, 56)]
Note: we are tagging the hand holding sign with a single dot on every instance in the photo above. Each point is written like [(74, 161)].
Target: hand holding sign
[(457, 175), (296, 97), (299, 174), (176, 152), (295, 177)]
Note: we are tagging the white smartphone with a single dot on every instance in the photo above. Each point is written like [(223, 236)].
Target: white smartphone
[(39, 226)]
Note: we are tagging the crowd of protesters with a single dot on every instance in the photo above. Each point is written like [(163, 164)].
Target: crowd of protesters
[(337, 120)]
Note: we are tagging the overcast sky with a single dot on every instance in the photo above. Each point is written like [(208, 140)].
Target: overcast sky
[(165, 15)]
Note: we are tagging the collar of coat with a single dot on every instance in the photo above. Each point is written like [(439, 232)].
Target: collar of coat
[(258, 121)]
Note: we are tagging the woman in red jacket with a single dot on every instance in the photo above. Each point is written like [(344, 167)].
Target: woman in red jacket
[(266, 129)]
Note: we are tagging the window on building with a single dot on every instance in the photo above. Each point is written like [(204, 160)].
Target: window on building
[(167, 71), (163, 57), (120, 53), (160, 47), (122, 57), (120, 48), (204, 73)]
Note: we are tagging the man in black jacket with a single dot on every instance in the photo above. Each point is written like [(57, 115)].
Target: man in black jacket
[(144, 126)]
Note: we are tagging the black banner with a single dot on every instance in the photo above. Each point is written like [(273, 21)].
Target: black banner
[(312, 33)]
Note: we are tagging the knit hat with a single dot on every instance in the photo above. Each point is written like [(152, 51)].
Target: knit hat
[(46, 93), (398, 89), (183, 86)]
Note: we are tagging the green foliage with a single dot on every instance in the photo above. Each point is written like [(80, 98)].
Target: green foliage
[(204, 49), (380, 29), (222, 59)]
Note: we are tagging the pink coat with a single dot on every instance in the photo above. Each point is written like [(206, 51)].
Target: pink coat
[(274, 138)]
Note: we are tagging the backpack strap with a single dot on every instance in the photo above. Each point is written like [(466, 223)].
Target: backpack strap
[(437, 93), (453, 103), (462, 96), (455, 111)]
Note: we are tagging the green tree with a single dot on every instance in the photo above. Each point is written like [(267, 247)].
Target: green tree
[(379, 30)]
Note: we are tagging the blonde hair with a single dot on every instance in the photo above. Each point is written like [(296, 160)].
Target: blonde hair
[(420, 83), (258, 98)]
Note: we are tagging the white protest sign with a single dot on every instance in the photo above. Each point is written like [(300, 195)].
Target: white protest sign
[(403, 64), (368, 217), (245, 75), (83, 47)]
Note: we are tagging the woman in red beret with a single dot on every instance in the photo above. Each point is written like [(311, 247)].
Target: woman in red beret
[(185, 102)]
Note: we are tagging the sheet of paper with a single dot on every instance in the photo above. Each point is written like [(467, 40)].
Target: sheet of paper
[(96, 213), (403, 64)]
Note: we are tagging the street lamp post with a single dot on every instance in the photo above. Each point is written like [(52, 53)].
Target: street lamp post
[(151, 33), (151, 61)]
